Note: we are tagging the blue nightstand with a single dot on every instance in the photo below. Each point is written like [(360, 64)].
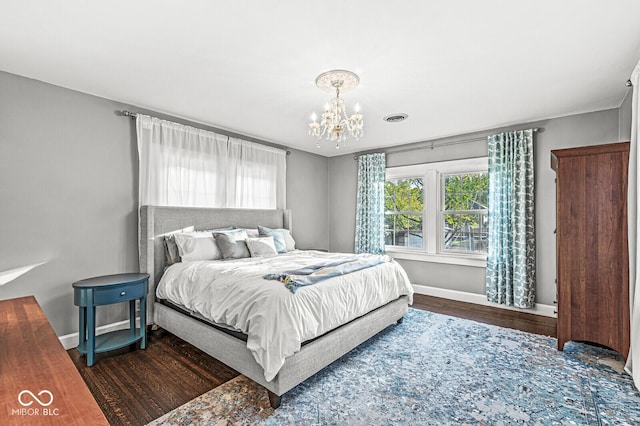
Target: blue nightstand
[(106, 290)]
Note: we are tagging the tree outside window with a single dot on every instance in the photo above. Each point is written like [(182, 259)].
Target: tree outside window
[(464, 212), (404, 206), (441, 209)]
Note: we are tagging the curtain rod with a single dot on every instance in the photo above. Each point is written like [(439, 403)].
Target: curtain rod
[(133, 116), (434, 145)]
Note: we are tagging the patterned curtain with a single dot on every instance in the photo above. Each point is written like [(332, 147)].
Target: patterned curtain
[(370, 207), (511, 267)]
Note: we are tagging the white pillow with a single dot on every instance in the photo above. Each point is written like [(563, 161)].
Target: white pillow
[(252, 232), (197, 245), (288, 240), (261, 246)]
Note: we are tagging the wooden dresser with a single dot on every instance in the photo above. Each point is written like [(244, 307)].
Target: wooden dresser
[(39, 385), (591, 245)]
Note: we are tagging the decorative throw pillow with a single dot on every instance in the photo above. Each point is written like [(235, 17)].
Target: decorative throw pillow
[(278, 237), (261, 246), (197, 245), (289, 242), (232, 244)]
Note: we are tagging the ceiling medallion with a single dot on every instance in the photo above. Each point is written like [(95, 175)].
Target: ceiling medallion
[(335, 125)]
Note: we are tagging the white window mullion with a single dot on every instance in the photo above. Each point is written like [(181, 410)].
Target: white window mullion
[(432, 207)]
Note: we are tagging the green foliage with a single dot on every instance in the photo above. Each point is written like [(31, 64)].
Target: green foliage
[(464, 193), (406, 196)]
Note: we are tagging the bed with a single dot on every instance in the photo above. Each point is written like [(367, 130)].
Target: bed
[(230, 345)]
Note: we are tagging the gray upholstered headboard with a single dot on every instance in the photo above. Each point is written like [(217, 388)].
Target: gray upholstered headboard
[(155, 222)]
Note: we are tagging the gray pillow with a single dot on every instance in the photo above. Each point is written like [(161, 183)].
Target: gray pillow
[(171, 250), (232, 244)]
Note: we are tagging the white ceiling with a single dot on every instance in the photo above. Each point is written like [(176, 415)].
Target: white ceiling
[(249, 66)]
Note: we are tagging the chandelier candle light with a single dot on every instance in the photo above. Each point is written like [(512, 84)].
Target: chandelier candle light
[(334, 123)]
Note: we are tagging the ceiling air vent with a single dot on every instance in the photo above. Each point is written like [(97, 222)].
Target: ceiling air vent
[(395, 118)]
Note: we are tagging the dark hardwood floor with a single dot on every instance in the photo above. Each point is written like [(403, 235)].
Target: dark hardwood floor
[(135, 387), (518, 320)]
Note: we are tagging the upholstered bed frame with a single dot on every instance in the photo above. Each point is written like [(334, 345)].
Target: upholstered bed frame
[(155, 222)]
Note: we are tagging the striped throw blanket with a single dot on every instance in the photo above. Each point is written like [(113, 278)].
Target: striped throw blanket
[(313, 274)]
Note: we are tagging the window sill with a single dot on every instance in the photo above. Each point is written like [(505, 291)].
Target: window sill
[(478, 261)]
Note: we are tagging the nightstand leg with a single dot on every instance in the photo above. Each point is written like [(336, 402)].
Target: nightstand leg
[(91, 331), (143, 322), (132, 316), (82, 326)]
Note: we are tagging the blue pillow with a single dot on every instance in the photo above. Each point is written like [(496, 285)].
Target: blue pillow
[(278, 237)]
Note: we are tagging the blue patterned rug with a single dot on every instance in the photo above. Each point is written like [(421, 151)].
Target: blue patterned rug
[(435, 370)]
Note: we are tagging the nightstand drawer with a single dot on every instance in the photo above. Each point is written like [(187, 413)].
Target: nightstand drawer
[(108, 296)]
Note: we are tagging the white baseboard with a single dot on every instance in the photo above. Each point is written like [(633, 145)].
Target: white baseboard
[(481, 299), (70, 341)]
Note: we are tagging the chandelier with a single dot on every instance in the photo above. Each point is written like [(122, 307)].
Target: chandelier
[(335, 125)]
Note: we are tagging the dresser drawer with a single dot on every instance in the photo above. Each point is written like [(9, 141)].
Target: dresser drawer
[(119, 294)]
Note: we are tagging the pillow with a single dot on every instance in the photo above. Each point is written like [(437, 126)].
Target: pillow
[(171, 250), (251, 232), (232, 243), (171, 253), (288, 240), (197, 245), (281, 237), (261, 246), (278, 237)]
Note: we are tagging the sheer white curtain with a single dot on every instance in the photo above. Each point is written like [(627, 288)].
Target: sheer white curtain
[(633, 360), (189, 167)]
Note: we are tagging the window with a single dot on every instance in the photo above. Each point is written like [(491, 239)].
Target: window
[(464, 212), (184, 166), (404, 206), (438, 211)]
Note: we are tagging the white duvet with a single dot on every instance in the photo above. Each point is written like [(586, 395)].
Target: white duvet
[(276, 320)]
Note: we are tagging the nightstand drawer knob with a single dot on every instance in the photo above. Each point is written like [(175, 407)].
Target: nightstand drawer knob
[(122, 293)]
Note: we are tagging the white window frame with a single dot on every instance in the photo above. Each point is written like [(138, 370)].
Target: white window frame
[(432, 174)]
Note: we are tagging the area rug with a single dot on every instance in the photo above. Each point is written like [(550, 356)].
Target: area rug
[(435, 370)]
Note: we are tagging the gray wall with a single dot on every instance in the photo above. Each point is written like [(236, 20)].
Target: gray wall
[(68, 194), (624, 117), (343, 175), (577, 130), (307, 197)]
